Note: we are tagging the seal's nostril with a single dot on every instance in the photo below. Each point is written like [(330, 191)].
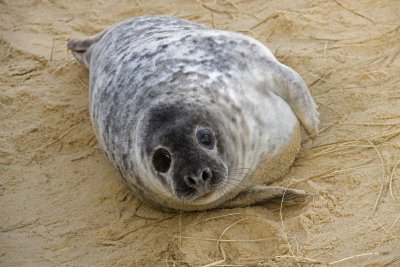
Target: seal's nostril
[(190, 181), (206, 175), (198, 181)]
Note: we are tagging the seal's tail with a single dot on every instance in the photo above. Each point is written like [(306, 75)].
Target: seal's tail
[(81, 48)]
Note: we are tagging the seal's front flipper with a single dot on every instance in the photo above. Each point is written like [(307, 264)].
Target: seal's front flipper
[(80, 48), (290, 86), (259, 194)]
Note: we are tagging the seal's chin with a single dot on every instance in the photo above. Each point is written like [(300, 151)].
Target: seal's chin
[(206, 198)]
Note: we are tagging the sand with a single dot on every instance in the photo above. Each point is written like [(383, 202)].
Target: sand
[(62, 204)]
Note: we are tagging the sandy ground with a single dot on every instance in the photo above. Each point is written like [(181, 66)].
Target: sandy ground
[(61, 203)]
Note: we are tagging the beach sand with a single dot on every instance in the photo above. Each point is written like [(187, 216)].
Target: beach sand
[(62, 204)]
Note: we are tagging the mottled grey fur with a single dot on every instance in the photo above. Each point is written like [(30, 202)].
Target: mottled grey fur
[(154, 80)]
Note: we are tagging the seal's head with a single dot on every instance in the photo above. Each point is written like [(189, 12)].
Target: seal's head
[(183, 154)]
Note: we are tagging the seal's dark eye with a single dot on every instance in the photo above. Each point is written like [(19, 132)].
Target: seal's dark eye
[(161, 160), (205, 137)]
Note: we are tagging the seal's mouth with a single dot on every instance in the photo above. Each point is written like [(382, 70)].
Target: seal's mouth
[(205, 198)]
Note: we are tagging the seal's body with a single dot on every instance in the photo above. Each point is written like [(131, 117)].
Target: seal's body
[(193, 117)]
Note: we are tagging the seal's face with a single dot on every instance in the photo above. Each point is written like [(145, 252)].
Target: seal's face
[(185, 154)]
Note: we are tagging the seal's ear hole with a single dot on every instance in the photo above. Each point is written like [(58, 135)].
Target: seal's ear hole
[(162, 160), (205, 137)]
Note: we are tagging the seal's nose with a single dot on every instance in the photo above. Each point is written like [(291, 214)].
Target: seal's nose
[(199, 182)]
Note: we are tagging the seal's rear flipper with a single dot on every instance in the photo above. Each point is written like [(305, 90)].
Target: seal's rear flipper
[(260, 194), (80, 48)]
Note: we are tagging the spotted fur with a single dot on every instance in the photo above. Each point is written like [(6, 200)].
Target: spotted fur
[(154, 80)]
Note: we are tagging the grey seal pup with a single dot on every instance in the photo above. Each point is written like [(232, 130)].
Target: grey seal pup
[(194, 118)]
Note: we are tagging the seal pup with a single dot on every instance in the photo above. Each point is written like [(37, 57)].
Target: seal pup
[(194, 118)]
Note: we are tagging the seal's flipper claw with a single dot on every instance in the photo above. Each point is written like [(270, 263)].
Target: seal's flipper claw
[(259, 194), (290, 86), (80, 48)]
